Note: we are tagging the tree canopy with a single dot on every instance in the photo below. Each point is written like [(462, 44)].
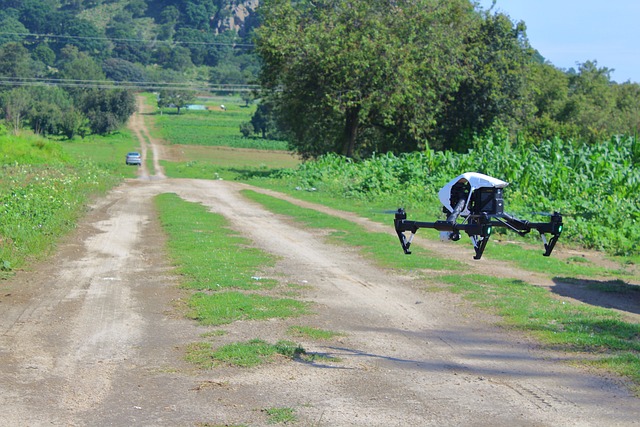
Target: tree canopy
[(397, 75)]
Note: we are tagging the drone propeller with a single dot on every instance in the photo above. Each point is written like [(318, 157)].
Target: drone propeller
[(385, 211)]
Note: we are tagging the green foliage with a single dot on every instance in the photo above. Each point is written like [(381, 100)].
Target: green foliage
[(247, 354), (42, 193), (361, 77), (595, 185), (108, 110), (494, 88)]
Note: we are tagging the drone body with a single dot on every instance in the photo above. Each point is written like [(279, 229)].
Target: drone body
[(476, 199)]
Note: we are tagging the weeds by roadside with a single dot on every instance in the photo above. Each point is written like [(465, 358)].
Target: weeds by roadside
[(42, 193)]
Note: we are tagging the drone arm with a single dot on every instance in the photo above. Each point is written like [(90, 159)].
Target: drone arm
[(553, 227), (403, 225), (480, 227)]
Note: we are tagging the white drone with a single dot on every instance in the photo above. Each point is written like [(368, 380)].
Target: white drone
[(476, 200)]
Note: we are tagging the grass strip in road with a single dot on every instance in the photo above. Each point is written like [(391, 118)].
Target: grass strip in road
[(280, 415), (243, 354), (215, 260), (226, 307), (313, 333), (207, 252), (601, 336), (382, 247), (250, 353)]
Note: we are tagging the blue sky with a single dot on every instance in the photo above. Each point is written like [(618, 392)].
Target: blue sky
[(567, 32)]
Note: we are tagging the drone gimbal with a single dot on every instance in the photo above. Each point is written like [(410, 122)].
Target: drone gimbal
[(477, 199)]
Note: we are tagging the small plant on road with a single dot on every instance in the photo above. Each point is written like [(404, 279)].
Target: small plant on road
[(280, 415)]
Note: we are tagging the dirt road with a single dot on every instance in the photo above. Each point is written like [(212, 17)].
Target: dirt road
[(94, 336)]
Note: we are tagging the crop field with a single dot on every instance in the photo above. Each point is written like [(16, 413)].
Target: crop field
[(212, 127), (594, 186)]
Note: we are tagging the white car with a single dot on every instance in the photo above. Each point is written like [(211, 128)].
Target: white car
[(133, 158)]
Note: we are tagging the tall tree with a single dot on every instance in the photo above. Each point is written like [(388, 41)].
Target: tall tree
[(355, 77), (15, 104), (175, 98), (591, 103), (494, 88), (15, 61)]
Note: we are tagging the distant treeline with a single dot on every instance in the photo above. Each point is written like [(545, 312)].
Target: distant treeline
[(69, 67)]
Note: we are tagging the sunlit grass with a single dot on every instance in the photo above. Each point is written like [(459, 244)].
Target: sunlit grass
[(227, 307), (208, 254), (242, 354)]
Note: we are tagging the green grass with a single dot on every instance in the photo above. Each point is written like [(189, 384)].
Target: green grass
[(211, 128), (227, 307), (208, 254), (107, 152), (532, 260), (280, 415), (382, 247), (43, 191), (558, 323), (244, 354)]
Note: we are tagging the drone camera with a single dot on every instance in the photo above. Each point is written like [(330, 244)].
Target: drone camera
[(460, 191), (487, 200)]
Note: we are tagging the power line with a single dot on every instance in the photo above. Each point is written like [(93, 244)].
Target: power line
[(115, 39), (133, 85)]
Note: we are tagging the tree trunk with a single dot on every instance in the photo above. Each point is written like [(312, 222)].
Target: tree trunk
[(351, 125)]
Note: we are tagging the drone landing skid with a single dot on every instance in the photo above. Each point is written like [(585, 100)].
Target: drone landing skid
[(479, 228)]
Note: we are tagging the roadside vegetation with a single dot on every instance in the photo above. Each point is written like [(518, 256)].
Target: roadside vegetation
[(43, 191)]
